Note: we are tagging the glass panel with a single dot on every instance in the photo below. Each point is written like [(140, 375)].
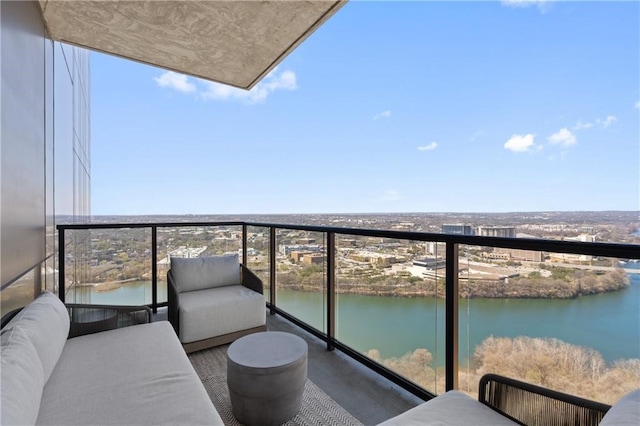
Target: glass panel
[(108, 266), (50, 274), (301, 275), (390, 304), (566, 322), (258, 259)]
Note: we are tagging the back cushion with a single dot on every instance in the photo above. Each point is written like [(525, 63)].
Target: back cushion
[(23, 353), (45, 321), (21, 377), (199, 273)]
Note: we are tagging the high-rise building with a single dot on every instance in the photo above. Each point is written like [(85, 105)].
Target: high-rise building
[(45, 162), (497, 231), (457, 229)]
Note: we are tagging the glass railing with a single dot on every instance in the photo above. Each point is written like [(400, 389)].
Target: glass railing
[(112, 268), (431, 312), (563, 321), (390, 305), (259, 255), (301, 271)]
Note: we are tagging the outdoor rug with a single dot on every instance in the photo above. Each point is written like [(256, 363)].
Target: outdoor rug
[(317, 407)]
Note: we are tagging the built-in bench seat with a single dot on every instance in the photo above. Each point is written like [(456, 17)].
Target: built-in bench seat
[(133, 375)]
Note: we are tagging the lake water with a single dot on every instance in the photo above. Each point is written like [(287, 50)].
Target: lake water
[(608, 323)]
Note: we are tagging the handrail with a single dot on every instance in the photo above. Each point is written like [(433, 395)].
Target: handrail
[(625, 251)]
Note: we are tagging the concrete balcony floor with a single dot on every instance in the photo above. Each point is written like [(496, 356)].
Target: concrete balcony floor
[(365, 394)]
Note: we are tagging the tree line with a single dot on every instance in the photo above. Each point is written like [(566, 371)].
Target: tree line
[(562, 284), (547, 362)]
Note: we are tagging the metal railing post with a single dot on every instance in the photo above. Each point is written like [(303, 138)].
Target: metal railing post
[(61, 257), (451, 317), (331, 289), (244, 244), (272, 268), (154, 269)]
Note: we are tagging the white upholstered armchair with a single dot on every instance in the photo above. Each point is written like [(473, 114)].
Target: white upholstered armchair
[(213, 301)]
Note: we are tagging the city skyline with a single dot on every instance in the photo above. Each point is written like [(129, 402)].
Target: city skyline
[(389, 107)]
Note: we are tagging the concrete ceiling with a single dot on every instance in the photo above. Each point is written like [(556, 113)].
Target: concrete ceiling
[(232, 42)]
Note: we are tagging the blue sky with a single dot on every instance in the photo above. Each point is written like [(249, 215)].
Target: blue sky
[(389, 107)]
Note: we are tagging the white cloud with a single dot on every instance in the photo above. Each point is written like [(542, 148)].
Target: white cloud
[(543, 5), (286, 80), (563, 137), (603, 123), (607, 121), (383, 114), (175, 81), (581, 126), (520, 143), (428, 147), (638, 105)]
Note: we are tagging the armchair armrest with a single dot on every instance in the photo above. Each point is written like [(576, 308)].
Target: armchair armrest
[(88, 318), (173, 299), (532, 405), (250, 280)]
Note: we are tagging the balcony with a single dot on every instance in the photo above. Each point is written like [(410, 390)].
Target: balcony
[(395, 317)]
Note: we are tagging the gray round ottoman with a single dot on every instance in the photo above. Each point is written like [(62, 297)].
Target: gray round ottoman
[(266, 373)]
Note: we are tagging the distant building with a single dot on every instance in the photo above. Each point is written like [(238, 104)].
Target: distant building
[(435, 248), (430, 262), (496, 255), (497, 231), (285, 249), (517, 254), (570, 258), (403, 226), (297, 256), (457, 229), (348, 242), (183, 252), (374, 258), (306, 241), (574, 258), (583, 238), (313, 259)]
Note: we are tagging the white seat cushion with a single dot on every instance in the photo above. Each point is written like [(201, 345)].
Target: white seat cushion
[(137, 375), (218, 311), (450, 408)]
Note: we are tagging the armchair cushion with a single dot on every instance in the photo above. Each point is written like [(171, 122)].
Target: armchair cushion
[(450, 408), (219, 311), (200, 273)]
